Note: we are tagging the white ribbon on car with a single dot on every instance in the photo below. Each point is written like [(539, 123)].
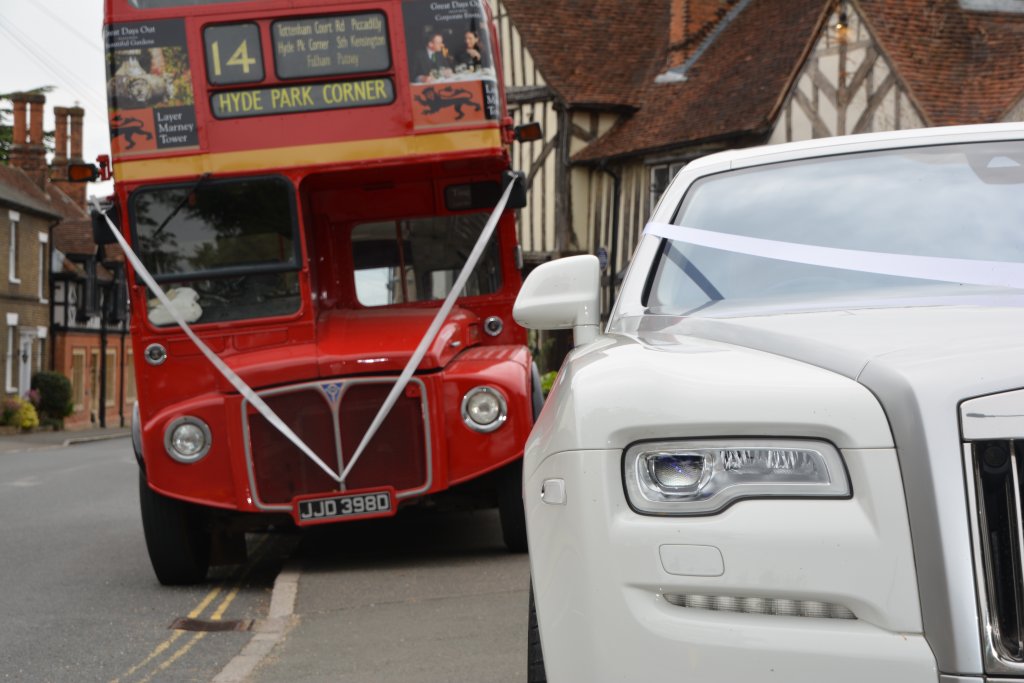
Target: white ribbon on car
[(253, 398), (937, 268)]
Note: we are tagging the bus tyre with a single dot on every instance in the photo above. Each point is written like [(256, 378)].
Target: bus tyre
[(534, 654), (510, 507), (178, 545)]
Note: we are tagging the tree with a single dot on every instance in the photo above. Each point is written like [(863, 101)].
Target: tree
[(7, 123)]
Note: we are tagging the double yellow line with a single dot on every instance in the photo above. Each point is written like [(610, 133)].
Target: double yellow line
[(164, 654)]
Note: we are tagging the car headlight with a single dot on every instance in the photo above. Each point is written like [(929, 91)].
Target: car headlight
[(704, 477), (187, 439), (484, 409)]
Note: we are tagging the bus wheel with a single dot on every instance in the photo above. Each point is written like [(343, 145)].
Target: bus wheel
[(178, 545), (510, 507)]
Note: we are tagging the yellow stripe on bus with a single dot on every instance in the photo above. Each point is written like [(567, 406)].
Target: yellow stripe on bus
[(306, 155)]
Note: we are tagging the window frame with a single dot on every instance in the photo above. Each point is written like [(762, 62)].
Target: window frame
[(78, 387), (12, 249), (12, 327), (44, 243)]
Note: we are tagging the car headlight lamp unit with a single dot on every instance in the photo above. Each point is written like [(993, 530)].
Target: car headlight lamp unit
[(705, 477), (187, 439)]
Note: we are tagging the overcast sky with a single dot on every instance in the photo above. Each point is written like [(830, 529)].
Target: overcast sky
[(58, 43)]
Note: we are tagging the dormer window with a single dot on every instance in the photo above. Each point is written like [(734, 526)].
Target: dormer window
[(1011, 6)]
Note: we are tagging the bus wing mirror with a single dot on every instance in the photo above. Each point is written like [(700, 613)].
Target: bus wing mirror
[(529, 132), (101, 233), (517, 199)]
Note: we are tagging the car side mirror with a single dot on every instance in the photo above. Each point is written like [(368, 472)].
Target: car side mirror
[(560, 295)]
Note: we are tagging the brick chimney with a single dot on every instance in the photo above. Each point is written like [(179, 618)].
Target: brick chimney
[(59, 165), (28, 153), (68, 150)]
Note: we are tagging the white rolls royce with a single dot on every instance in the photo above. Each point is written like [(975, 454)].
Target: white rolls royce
[(791, 452)]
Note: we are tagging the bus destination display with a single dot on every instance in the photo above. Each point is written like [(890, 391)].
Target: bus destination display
[(331, 46), (292, 99)]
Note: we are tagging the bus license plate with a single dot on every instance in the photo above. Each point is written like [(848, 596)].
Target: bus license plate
[(345, 507)]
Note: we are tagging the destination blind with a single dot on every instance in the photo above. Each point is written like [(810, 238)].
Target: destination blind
[(302, 98), (331, 46)]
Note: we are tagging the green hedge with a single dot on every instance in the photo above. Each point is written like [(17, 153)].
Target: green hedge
[(55, 400)]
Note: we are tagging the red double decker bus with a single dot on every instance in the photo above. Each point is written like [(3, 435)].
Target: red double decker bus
[(306, 181)]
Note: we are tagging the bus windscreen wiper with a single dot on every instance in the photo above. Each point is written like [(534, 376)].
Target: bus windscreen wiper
[(195, 186)]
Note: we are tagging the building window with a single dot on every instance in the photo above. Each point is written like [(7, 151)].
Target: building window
[(12, 250), (661, 177), (111, 387), (12, 324), (78, 377), (94, 381), (130, 393), (44, 240)]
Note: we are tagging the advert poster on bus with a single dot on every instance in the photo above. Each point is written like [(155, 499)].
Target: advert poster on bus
[(149, 87), (451, 63)]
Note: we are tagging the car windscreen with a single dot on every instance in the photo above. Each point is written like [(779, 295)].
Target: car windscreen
[(404, 261), (229, 246), (833, 220)]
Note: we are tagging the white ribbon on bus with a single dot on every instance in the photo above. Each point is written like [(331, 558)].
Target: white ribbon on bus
[(253, 398), (941, 269)]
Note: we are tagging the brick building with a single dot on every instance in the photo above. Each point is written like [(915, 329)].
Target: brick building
[(27, 216), (62, 298)]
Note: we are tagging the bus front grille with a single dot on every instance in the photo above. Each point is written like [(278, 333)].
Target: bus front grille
[(331, 418)]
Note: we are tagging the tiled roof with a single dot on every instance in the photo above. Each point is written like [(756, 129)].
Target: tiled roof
[(65, 205), (74, 237), (594, 52), (735, 88), (961, 66), (18, 190)]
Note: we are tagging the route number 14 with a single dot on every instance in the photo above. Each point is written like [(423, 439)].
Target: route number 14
[(240, 44)]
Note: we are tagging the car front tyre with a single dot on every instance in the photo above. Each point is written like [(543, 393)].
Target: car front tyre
[(178, 543), (534, 655)]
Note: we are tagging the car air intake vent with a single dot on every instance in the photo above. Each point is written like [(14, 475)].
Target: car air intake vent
[(770, 606), (993, 475)]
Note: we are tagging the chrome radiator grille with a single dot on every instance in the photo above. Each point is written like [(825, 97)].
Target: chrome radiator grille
[(993, 472), (331, 417)]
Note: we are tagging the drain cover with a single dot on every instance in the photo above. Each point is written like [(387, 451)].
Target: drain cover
[(183, 624)]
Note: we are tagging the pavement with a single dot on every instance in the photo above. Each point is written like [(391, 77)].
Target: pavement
[(30, 441)]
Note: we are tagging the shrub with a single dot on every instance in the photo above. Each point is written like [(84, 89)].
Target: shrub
[(8, 407), (547, 380), (19, 413), (26, 417), (54, 394)]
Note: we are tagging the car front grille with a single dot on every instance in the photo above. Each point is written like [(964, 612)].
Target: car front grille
[(331, 417), (993, 469)]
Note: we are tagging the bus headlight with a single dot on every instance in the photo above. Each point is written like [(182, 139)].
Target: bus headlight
[(484, 409), (705, 477), (187, 439)]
